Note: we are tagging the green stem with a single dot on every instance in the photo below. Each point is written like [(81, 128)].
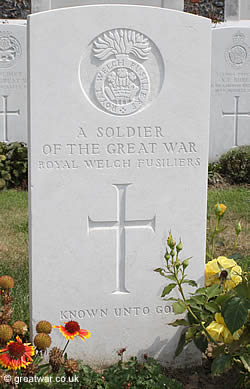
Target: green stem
[(214, 235), (192, 313), (236, 242), (66, 346)]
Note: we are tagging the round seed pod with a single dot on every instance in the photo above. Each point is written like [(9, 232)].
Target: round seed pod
[(6, 282), (42, 341), (6, 332), (20, 328), (44, 326)]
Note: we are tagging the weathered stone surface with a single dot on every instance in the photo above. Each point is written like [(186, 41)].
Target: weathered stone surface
[(44, 5), (13, 81), (237, 10), (230, 92), (118, 156)]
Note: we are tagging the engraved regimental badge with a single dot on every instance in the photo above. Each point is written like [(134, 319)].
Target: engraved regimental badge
[(10, 50), (122, 84), (121, 71), (239, 53)]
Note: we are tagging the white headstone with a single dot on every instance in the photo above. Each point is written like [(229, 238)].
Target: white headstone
[(45, 5), (232, 10), (13, 81), (118, 157), (230, 92), (245, 9), (237, 10)]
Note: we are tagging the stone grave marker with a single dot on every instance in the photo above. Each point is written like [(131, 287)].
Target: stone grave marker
[(230, 91), (236, 10), (45, 5), (245, 9), (118, 157), (13, 81)]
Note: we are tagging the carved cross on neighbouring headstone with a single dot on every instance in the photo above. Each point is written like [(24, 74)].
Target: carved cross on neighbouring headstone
[(5, 113), (120, 225), (236, 115)]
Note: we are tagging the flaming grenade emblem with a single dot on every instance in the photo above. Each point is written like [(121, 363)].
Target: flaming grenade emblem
[(10, 50), (122, 84)]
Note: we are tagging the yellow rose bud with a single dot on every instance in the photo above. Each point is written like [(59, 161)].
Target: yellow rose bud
[(171, 241), (220, 209)]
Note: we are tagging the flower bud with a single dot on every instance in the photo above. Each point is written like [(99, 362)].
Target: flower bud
[(171, 241), (179, 246), (238, 228), (220, 209), (167, 256)]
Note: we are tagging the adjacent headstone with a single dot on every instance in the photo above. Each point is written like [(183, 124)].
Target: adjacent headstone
[(45, 5), (230, 92), (13, 81), (119, 112), (245, 9), (237, 10)]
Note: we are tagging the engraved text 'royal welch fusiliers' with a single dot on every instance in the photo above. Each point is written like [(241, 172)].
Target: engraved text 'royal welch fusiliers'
[(122, 85)]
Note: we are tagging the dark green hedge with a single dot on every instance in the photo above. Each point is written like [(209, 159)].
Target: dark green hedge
[(13, 165)]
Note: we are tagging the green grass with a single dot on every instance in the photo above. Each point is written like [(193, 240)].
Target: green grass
[(236, 199), (14, 236), (14, 248)]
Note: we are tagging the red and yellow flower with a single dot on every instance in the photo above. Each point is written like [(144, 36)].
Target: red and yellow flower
[(16, 354), (72, 329)]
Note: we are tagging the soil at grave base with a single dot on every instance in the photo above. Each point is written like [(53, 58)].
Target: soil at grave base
[(199, 377)]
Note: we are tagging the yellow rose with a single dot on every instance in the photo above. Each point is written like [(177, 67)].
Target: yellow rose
[(220, 209), (220, 333), (222, 268)]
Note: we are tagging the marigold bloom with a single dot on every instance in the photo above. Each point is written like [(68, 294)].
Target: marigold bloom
[(16, 354), (72, 329), (219, 331), (222, 266), (220, 209)]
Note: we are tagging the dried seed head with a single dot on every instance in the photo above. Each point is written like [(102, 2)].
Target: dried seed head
[(44, 326), (6, 282), (20, 328), (42, 341), (30, 370), (5, 314), (71, 367), (56, 359), (6, 332), (2, 377)]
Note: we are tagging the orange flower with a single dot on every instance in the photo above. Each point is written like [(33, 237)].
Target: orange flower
[(72, 329), (16, 354)]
